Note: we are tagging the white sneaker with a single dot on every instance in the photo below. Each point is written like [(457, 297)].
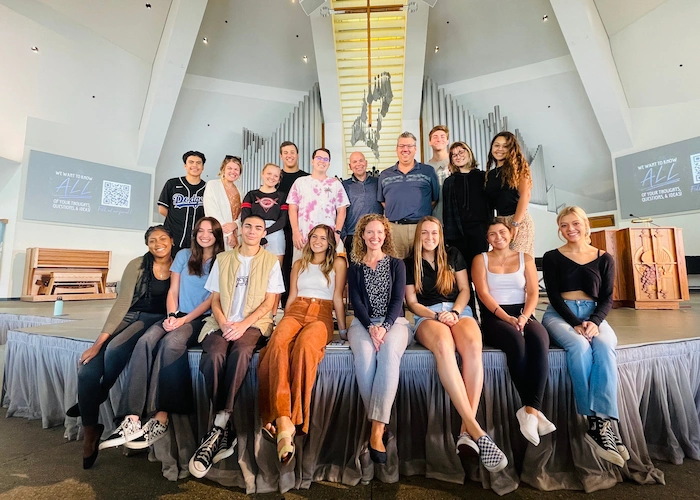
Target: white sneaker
[(528, 426), (465, 440), (128, 430), (544, 426)]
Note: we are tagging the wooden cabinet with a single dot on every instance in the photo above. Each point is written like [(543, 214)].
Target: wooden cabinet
[(650, 270)]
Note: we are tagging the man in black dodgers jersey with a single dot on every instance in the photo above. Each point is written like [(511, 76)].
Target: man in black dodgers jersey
[(181, 202)]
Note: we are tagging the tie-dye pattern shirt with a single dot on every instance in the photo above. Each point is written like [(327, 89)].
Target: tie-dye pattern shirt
[(318, 201)]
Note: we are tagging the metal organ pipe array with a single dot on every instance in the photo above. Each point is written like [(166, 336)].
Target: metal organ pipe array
[(304, 127), (439, 108)]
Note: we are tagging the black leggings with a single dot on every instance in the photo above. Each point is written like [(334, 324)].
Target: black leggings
[(97, 377), (527, 354)]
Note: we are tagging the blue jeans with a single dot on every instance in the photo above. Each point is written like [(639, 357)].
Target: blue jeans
[(441, 307), (592, 365)]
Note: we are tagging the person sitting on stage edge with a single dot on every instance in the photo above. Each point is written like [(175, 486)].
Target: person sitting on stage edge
[(507, 285), (140, 304), (379, 334), (158, 377), (437, 293), (579, 280), (288, 364), (244, 283)]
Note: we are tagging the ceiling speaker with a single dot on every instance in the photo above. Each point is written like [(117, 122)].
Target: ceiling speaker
[(310, 5)]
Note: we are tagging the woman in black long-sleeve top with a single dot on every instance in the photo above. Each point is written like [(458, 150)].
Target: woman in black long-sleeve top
[(379, 334), (579, 281)]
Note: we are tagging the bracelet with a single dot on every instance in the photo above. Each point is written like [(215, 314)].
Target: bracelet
[(437, 316), (455, 313), (497, 308)]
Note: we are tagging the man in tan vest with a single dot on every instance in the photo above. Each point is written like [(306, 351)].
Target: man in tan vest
[(244, 283)]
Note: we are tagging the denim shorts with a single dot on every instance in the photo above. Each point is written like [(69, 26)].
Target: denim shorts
[(443, 306)]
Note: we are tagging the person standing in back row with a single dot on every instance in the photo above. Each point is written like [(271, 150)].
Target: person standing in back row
[(439, 138), (289, 155), (409, 191), (181, 201), (362, 193)]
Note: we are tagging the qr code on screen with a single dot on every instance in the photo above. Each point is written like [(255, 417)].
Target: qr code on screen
[(695, 166), (116, 194)]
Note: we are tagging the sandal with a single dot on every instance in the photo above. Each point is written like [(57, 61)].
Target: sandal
[(269, 433), (286, 453)]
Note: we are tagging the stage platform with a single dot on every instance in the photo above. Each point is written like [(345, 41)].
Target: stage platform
[(658, 364)]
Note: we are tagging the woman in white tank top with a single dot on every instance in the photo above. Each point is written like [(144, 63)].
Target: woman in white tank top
[(288, 364), (507, 286)]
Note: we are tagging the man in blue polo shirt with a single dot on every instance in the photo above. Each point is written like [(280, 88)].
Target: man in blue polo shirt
[(409, 190), (362, 193)]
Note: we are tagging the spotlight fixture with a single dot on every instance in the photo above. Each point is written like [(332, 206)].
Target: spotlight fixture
[(545, 17), (35, 49), (148, 5), (305, 59), (204, 40), (437, 49)]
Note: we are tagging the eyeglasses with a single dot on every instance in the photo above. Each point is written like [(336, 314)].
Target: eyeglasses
[(459, 152), (231, 157), (322, 159), (405, 146)]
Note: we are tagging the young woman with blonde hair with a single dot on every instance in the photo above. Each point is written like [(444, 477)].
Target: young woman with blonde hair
[(579, 280)]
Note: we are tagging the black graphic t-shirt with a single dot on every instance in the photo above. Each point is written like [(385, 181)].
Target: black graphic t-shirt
[(185, 205), (268, 206)]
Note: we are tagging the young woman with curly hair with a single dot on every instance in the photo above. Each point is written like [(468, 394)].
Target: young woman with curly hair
[(508, 189), (379, 334)]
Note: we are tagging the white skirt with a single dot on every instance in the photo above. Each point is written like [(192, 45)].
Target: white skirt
[(275, 241)]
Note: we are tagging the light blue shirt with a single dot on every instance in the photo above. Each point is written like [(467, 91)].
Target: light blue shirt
[(192, 291)]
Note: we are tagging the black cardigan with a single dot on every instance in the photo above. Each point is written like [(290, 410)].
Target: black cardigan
[(477, 206), (360, 300)]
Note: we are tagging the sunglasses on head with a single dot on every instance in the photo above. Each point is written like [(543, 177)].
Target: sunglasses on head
[(231, 157)]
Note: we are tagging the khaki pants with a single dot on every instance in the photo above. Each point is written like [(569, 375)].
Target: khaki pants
[(403, 234)]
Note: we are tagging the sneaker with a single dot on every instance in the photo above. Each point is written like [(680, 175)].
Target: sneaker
[(528, 425), (544, 426), (201, 461), (492, 457), (128, 430), (599, 435), (465, 444), (227, 444), (152, 432), (621, 448)]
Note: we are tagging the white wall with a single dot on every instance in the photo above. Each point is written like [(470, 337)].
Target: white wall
[(47, 104)]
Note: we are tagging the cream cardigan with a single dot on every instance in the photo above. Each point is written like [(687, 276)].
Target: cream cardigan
[(216, 205)]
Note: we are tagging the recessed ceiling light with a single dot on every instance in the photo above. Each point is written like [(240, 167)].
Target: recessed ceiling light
[(148, 5), (205, 40), (305, 59), (35, 49), (437, 49), (545, 17)]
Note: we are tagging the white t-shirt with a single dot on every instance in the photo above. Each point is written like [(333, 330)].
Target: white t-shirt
[(275, 284)]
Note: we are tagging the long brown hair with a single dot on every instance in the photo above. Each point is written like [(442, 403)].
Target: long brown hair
[(195, 264), (515, 166), (359, 247), (445, 274), (307, 255)]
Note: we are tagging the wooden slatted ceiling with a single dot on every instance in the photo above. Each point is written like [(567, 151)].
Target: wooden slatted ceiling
[(388, 43)]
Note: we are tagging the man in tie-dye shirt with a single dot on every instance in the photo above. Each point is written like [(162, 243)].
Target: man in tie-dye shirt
[(316, 199)]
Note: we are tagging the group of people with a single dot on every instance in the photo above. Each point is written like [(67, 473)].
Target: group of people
[(215, 270)]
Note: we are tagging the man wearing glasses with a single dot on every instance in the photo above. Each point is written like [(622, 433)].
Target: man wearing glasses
[(409, 190), (316, 199), (181, 201)]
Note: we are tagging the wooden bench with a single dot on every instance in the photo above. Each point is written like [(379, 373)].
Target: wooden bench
[(70, 274)]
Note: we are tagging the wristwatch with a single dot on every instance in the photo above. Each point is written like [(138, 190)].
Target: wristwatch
[(337, 231), (514, 224), (173, 314)]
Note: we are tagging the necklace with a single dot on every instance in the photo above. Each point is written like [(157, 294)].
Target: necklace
[(160, 274), (502, 263)]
